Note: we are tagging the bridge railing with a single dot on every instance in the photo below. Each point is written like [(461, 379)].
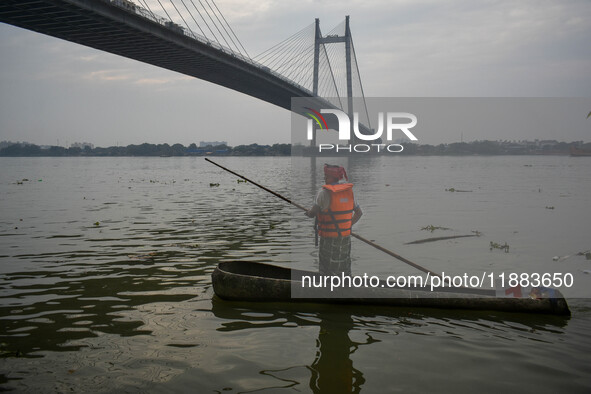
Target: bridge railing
[(146, 14)]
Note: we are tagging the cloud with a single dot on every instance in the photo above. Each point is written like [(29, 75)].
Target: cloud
[(88, 58), (132, 77), (162, 80), (108, 76), (456, 47)]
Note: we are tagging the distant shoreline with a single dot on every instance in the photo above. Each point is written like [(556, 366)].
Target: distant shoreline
[(475, 148)]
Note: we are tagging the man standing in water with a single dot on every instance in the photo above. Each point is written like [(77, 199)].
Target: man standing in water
[(337, 212)]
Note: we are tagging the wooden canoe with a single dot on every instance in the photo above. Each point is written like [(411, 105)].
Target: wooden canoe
[(257, 282)]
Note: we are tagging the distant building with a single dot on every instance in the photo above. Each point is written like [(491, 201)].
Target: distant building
[(543, 144), (5, 144), (203, 144), (82, 145)]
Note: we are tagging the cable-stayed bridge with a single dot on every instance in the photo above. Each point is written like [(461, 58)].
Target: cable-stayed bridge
[(194, 38)]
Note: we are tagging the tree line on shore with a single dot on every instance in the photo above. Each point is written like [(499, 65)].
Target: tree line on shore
[(458, 148), (145, 149)]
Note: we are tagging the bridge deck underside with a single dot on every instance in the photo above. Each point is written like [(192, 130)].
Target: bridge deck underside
[(100, 25)]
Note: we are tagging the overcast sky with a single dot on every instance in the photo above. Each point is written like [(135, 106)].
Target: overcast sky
[(53, 90)]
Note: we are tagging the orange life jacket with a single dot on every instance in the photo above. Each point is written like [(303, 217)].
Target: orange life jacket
[(336, 220)]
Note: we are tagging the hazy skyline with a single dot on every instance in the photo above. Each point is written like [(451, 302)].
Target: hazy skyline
[(55, 90)]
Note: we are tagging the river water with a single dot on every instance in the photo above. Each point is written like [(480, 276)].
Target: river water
[(105, 283)]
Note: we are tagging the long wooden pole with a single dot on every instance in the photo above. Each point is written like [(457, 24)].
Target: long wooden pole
[(359, 237)]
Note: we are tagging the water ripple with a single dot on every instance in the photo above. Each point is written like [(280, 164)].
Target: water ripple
[(105, 282)]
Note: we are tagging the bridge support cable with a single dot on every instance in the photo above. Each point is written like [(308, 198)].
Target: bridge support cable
[(143, 3), (324, 83), (323, 77), (224, 27), (283, 52), (297, 68), (301, 53), (194, 20), (164, 9), (358, 79), (277, 56), (234, 47), (206, 16), (332, 60), (213, 22), (273, 49), (219, 14), (215, 38), (181, 15), (345, 69), (232, 30), (333, 47), (294, 56), (349, 75), (336, 59), (205, 22), (328, 86)]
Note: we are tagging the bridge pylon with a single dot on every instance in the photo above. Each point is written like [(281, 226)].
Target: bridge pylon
[(333, 39)]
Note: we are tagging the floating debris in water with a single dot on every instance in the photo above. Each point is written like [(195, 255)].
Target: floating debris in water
[(433, 228), (214, 184), (494, 245), (559, 258), (551, 207), (142, 256), (97, 223), (241, 181), (453, 189), (422, 241), (586, 253)]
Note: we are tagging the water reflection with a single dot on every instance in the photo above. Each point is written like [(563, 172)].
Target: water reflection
[(332, 368), (79, 254), (39, 317)]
